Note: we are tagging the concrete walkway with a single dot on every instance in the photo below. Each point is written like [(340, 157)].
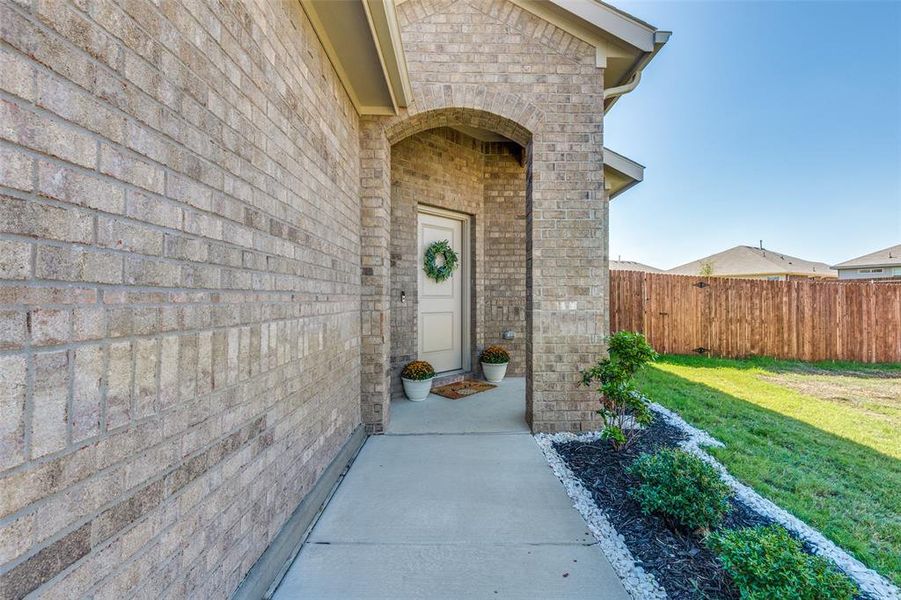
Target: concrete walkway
[(455, 501)]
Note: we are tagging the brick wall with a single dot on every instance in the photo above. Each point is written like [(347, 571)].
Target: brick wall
[(505, 253), (180, 295)]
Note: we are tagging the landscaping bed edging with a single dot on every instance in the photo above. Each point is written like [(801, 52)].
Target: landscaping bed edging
[(869, 581), (638, 583)]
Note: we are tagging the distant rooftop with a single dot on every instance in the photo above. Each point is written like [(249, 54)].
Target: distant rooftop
[(887, 257), (753, 261), (631, 265)]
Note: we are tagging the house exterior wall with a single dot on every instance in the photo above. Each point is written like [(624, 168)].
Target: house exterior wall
[(180, 255), (491, 64), (858, 273)]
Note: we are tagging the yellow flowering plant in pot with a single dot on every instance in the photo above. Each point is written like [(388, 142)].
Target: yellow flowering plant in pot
[(494, 361), (417, 377)]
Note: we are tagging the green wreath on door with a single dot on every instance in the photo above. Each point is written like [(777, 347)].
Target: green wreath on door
[(430, 265)]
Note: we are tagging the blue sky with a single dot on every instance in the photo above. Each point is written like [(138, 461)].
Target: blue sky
[(778, 121)]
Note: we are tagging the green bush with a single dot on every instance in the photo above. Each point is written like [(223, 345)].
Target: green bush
[(622, 407), (766, 563), (681, 487)]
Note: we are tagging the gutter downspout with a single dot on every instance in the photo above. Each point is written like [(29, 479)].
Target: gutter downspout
[(625, 88)]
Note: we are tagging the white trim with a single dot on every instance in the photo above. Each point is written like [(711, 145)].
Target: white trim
[(465, 271), (624, 167), (617, 23)]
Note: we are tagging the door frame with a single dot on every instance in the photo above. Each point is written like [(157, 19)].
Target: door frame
[(465, 272)]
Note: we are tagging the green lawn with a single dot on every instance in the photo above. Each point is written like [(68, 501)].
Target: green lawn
[(822, 440)]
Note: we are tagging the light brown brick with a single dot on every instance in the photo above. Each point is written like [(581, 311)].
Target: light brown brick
[(119, 385), (16, 74), (15, 259), (68, 185), (13, 385), (90, 363), (21, 126), (50, 326), (49, 402), (145, 392), (13, 329), (16, 168)]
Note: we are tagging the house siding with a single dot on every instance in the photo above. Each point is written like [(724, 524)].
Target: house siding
[(180, 254)]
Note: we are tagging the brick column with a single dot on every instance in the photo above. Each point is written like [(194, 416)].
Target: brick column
[(375, 258), (567, 276)]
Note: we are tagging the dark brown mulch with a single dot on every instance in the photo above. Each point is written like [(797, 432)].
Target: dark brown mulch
[(678, 560)]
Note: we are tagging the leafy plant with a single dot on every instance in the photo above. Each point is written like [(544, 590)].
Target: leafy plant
[(622, 406), (418, 370), (766, 563), (706, 269), (495, 355), (680, 487)]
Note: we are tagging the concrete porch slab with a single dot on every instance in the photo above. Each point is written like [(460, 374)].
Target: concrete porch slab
[(502, 409)]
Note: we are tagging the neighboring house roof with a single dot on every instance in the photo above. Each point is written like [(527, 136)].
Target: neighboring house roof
[(751, 261), (887, 257), (631, 265)]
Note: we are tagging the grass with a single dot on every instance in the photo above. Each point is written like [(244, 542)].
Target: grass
[(820, 439)]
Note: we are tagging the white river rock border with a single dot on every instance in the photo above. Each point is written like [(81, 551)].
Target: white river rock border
[(641, 584)]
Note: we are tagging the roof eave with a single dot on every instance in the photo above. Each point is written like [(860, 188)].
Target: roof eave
[(660, 40), (362, 41), (619, 167), (844, 267)]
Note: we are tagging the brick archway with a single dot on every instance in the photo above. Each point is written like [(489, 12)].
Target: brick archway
[(477, 106), (566, 215), (504, 114)]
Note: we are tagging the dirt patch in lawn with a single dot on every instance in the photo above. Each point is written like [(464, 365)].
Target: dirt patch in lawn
[(876, 395)]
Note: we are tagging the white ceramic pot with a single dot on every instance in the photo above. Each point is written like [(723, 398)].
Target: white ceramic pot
[(417, 390), (494, 373)]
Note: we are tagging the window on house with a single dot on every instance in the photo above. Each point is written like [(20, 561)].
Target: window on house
[(869, 270)]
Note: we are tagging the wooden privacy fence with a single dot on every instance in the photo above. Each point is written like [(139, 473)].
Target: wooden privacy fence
[(803, 319)]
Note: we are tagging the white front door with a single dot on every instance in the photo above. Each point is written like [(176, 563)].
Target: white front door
[(441, 304)]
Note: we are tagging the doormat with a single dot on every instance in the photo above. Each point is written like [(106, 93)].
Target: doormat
[(462, 389)]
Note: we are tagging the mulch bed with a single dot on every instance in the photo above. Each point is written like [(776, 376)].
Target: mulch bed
[(678, 560)]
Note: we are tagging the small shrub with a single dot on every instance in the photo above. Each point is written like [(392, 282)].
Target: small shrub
[(418, 370), (681, 487), (622, 406), (766, 563), (495, 355)]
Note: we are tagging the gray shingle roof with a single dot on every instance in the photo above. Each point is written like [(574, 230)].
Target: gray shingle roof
[(631, 265), (748, 260), (887, 257)]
